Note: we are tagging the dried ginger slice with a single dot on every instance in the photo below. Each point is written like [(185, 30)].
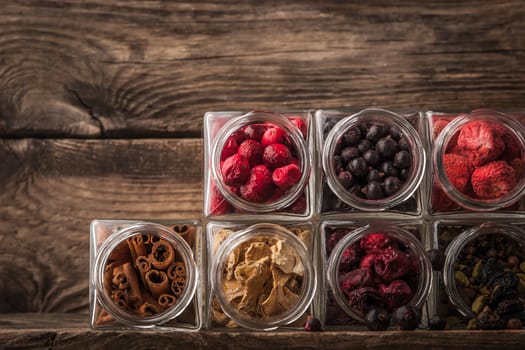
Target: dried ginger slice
[(255, 275), (286, 259)]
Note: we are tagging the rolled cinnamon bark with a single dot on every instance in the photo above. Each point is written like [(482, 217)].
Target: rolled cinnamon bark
[(120, 255), (103, 317), (120, 297), (108, 276), (119, 280), (176, 269), (186, 232), (177, 286), (134, 287), (162, 255), (157, 282), (147, 309), (167, 300), (137, 246), (143, 265)]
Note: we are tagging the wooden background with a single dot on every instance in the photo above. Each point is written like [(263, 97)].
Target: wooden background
[(101, 104)]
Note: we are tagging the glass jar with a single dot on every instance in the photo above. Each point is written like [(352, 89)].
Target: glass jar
[(262, 276), (144, 275), (478, 161), (372, 160), (376, 265), (257, 163), (470, 279)]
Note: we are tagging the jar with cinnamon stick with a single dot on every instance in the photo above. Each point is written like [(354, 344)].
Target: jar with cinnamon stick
[(144, 275)]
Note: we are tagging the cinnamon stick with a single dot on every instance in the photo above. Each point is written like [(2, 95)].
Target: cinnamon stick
[(147, 309), (119, 279), (176, 269), (120, 255), (143, 265), (162, 255), (167, 300), (103, 317), (108, 276), (186, 232), (134, 288), (177, 286), (157, 282)]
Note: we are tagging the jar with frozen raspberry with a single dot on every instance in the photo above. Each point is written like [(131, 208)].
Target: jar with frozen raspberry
[(478, 162), (145, 275), (262, 276), (373, 160), (257, 163), (379, 266), (484, 274)]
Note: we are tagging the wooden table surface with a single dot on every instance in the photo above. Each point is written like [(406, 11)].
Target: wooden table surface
[(101, 106)]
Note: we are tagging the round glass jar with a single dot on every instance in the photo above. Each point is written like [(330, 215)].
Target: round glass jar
[(456, 251), (158, 303), (484, 153), (272, 286), (273, 197), (412, 175), (376, 263)]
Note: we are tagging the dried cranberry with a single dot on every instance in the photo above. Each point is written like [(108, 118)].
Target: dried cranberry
[(375, 241), (396, 294), (391, 264), (363, 299), (357, 278), (350, 258)]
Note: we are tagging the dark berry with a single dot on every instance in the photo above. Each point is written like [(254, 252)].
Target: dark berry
[(312, 324), (328, 127), (377, 319), (338, 164), (437, 323), (404, 174), (403, 144), (352, 137), (392, 185), (371, 157), (374, 133), (402, 159), (437, 259), (509, 306), (345, 179), (349, 153), (363, 146), (373, 190), (373, 175), (388, 169), (406, 317), (339, 205), (514, 323), (395, 133), (387, 148), (356, 191), (358, 167), (489, 321)]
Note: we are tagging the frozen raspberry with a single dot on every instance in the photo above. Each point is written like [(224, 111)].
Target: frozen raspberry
[(481, 141), (300, 124), (251, 150), (397, 293), (259, 186), (391, 264), (277, 192), (276, 155), (230, 148), (517, 165), (299, 206), (512, 146), (287, 176), (458, 170), (375, 241), (235, 170), (273, 135), (493, 180), (357, 278)]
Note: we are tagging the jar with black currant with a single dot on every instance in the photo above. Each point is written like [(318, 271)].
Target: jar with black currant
[(257, 163), (372, 161), (145, 275)]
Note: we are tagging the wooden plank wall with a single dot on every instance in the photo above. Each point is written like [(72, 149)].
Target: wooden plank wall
[(101, 102)]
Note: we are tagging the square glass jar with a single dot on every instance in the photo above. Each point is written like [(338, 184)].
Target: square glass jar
[(346, 142), (258, 163), (459, 292), (161, 290), (279, 256), (468, 154), (344, 252)]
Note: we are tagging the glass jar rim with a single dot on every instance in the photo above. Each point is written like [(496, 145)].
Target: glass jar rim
[(417, 154), (456, 246), (440, 145), (403, 236), (309, 283), (178, 243), (303, 155)]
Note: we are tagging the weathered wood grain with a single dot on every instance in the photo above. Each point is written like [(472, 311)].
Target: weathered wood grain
[(64, 331), (52, 189), (152, 68)]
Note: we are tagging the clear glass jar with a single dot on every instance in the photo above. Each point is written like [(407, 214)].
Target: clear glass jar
[(144, 275), (484, 152), (262, 276), (463, 269), (339, 195), (283, 171), (401, 274)]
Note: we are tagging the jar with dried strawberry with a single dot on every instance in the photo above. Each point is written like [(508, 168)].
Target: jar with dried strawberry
[(145, 275), (478, 161), (376, 266), (257, 163)]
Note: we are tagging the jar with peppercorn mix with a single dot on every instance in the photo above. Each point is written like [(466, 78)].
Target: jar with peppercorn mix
[(372, 161), (145, 275), (257, 163)]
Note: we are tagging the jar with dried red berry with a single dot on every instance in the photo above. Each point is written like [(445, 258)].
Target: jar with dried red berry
[(373, 160), (478, 161), (377, 266), (257, 163)]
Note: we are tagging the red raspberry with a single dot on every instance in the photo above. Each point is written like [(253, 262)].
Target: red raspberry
[(251, 150), (235, 170), (230, 148), (493, 180), (458, 170), (481, 141), (259, 186), (300, 124), (287, 176), (274, 135), (276, 155)]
